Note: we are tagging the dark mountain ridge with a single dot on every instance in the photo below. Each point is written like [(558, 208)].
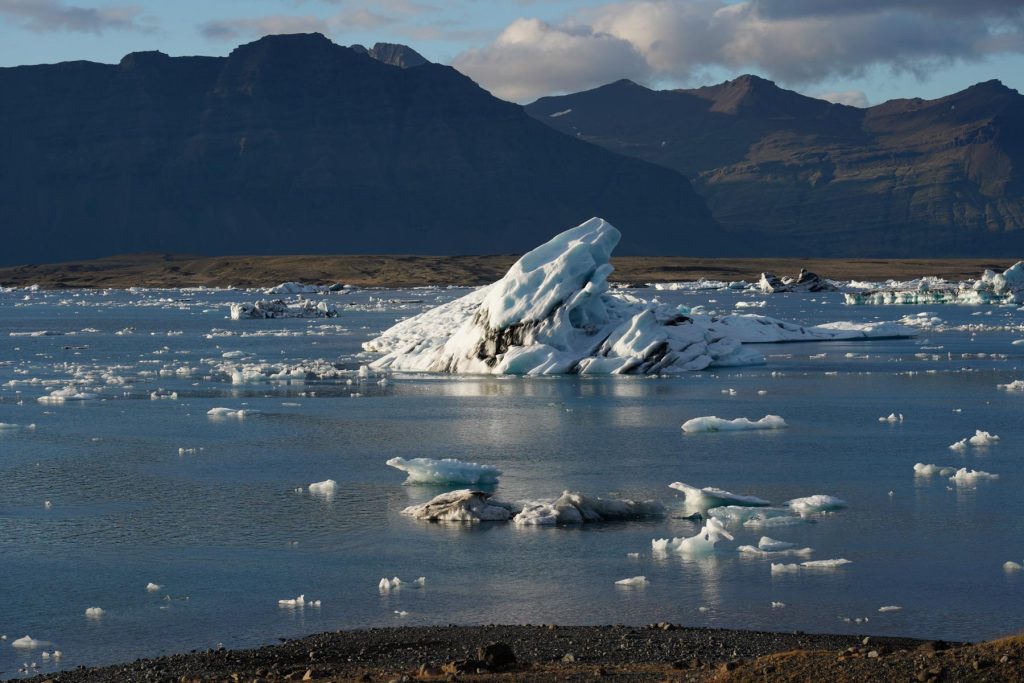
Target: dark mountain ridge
[(293, 144), (908, 177)]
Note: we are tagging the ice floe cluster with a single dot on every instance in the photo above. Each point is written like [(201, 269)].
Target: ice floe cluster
[(806, 281), (278, 308), (553, 313), (1005, 288)]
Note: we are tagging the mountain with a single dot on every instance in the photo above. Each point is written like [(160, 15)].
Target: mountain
[(293, 144), (911, 178)]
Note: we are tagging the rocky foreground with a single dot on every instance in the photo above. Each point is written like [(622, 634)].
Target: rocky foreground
[(656, 652)]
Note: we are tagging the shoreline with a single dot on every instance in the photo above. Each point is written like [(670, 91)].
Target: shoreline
[(576, 653), (398, 271)]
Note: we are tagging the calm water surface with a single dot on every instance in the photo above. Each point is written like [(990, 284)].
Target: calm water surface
[(225, 534)]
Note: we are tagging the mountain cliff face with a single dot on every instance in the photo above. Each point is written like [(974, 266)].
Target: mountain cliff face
[(906, 178), (293, 144)]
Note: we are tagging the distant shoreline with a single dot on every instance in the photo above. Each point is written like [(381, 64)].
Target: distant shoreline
[(577, 653), (397, 271)]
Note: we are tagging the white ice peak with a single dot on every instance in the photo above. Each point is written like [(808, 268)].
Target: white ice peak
[(552, 313)]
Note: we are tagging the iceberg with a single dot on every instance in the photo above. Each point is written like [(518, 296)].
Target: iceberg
[(703, 543), (573, 508), (463, 505), (819, 503), (718, 424), (324, 488), (1006, 288), (710, 497), (806, 281), (554, 313), (968, 477), (94, 612), (278, 308), (446, 471)]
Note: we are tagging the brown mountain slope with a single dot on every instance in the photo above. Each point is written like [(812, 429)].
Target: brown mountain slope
[(904, 178)]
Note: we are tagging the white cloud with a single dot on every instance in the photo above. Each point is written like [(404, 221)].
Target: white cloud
[(43, 16), (796, 42)]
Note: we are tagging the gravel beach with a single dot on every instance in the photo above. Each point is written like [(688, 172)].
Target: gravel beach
[(655, 652)]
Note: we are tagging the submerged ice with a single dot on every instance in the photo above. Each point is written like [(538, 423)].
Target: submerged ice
[(553, 313)]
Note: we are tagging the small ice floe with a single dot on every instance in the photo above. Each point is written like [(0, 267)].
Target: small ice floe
[(239, 413), (401, 613), (47, 504), (446, 471), (922, 470), (68, 393), (890, 608), (7, 426), (188, 451), (717, 424), (461, 506), (325, 488), (855, 620), (960, 445), (819, 503), (711, 497), (893, 418), (771, 545), (968, 477), (153, 587), (163, 395), (703, 543), (778, 605), (809, 564), (293, 602), (574, 508), (755, 517), (1015, 385), (982, 438), (633, 582), (1011, 566), (387, 585), (28, 643), (94, 612), (633, 556), (789, 552)]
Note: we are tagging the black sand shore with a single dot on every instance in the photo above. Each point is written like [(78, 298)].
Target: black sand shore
[(577, 653), (165, 270)]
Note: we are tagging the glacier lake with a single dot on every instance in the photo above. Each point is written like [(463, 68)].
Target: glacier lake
[(129, 482)]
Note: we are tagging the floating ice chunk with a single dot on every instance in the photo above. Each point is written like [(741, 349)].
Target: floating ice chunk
[(94, 612), (8, 426), (922, 470), (824, 564), (153, 587), (893, 418), (68, 393), (967, 477), (1011, 566), (771, 545), (633, 582), (324, 488), (761, 519), (294, 288), (47, 504), (960, 445), (278, 308), (574, 507), (387, 585), (446, 471), (717, 424), (703, 543), (28, 643), (292, 602), (1015, 385), (401, 613), (778, 605), (239, 413), (633, 556), (816, 504), (981, 438), (789, 552), (755, 516), (463, 505), (809, 564), (890, 608), (710, 497)]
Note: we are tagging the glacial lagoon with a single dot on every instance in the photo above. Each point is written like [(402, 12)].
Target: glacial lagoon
[(143, 486)]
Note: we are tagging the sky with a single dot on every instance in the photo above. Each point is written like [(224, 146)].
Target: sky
[(858, 52)]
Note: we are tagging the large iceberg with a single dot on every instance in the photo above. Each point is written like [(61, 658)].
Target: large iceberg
[(806, 281), (1006, 288), (553, 313), (278, 308)]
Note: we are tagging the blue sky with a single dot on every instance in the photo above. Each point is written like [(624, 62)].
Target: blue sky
[(855, 51)]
